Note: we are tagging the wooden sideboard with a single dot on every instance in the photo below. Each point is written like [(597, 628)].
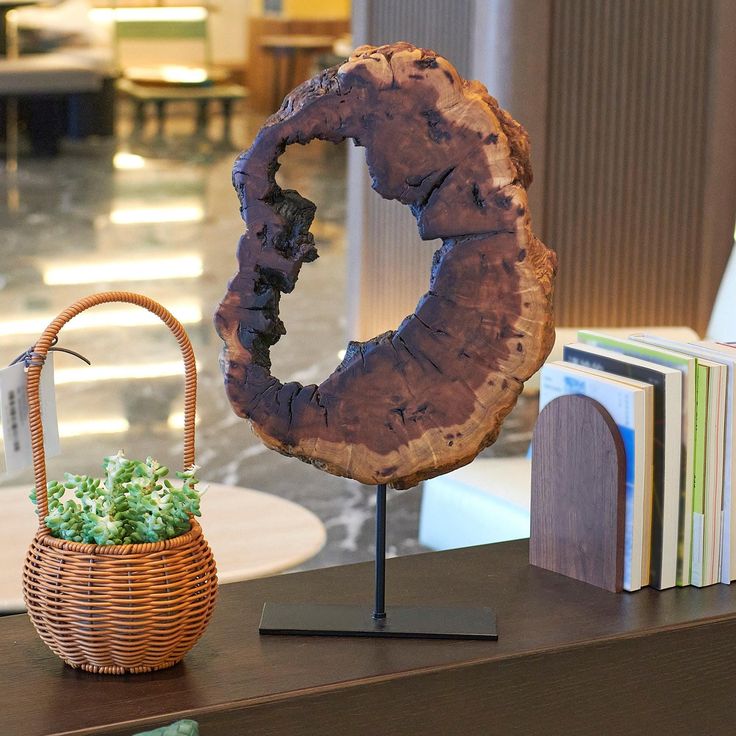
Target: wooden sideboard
[(571, 659)]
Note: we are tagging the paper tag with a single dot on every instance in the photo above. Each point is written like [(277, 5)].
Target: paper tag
[(14, 415)]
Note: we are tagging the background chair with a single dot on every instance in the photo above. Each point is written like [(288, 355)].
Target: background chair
[(164, 56)]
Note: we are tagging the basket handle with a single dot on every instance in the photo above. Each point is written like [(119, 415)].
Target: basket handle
[(38, 356)]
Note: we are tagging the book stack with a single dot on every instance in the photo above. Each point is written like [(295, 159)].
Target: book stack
[(673, 403)]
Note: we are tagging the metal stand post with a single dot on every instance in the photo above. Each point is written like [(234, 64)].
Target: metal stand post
[(379, 609), (411, 622)]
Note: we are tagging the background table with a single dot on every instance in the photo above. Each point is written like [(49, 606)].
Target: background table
[(251, 534), (285, 49), (571, 659)]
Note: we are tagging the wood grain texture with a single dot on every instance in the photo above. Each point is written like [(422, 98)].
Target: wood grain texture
[(572, 659), (425, 398), (578, 499), (622, 70)]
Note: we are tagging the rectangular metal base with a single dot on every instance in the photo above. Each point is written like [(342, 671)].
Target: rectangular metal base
[(410, 622)]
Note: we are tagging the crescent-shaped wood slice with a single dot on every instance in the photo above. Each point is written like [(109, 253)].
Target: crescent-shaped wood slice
[(427, 397)]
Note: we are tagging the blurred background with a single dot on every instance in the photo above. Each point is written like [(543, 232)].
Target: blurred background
[(119, 124)]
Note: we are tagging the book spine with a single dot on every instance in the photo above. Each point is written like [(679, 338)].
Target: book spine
[(698, 504)]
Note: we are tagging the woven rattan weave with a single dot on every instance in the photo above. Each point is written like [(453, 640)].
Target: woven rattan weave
[(120, 608)]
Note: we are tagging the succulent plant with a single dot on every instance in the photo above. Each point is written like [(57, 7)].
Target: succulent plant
[(184, 727), (134, 502)]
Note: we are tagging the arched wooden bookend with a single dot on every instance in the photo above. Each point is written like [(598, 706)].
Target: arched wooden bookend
[(578, 498)]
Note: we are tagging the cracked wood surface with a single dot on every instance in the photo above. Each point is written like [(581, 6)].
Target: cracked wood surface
[(426, 397)]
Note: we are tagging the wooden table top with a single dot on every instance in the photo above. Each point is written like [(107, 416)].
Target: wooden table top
[(173, 93), (635, 653), (296, 41), (251, 533)]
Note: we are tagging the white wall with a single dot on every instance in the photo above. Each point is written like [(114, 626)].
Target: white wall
[(723, 320)]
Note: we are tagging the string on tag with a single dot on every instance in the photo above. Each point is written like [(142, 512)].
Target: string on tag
[(31, 357)]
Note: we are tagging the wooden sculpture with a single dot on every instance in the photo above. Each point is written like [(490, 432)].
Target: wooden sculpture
[(427, 397)]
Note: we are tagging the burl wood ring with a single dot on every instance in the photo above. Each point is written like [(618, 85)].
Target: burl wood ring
[(427, 397)]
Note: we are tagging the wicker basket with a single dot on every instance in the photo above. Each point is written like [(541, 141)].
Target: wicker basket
[(120, 608)]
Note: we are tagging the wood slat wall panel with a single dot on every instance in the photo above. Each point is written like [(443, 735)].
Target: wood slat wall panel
[(389, 264), (624, 187)]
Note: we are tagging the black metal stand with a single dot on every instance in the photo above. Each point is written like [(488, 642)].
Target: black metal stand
[(379, 607), (411, 622)]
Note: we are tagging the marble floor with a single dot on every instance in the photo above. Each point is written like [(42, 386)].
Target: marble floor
[(160, 217)]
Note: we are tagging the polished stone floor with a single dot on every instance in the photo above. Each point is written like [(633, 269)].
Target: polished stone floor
[(160, 217)]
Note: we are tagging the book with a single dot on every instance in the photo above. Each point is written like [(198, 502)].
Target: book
[(698, 512), (714, 467), (712, 495), (627, 405), (686, 365), (726, 353), (708, 482), (667, 386)]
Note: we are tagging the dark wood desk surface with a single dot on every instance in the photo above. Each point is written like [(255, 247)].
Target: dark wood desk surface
[(571, 659)]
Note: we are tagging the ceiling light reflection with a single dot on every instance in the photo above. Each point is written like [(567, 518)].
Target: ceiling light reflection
[(108, 425), (101, 425), (176, 420), (125, 371), (185, 312), (126, 161), (150, 215), (144, 269)]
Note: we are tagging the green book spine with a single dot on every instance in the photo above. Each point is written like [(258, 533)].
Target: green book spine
[(698, 510)]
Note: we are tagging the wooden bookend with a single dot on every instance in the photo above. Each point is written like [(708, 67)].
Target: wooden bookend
[(578, 493)]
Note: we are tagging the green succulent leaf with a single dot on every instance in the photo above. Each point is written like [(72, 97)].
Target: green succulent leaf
[(134, 502)]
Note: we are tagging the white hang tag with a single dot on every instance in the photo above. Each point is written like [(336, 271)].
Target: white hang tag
[(14, 415)]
